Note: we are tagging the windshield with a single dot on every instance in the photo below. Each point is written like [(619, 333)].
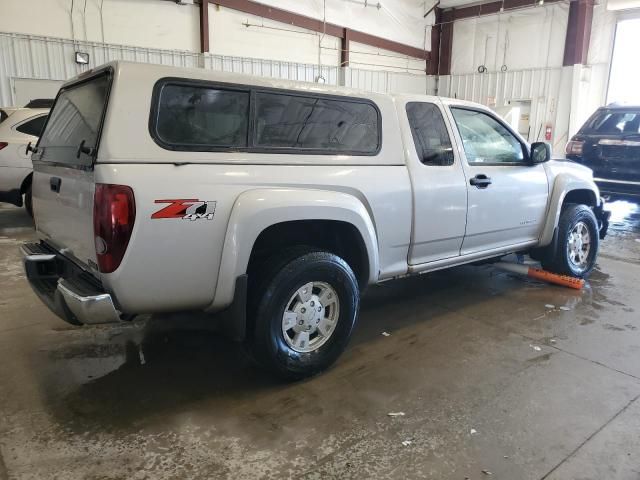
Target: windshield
[(75, 122), (613, 122)]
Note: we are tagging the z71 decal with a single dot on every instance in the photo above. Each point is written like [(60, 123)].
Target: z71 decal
[(186, 209)]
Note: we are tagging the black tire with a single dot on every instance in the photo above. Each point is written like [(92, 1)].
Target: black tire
[(28, 205), (559, 261), (270, 292)]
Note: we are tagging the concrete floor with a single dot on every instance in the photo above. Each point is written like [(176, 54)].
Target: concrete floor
[(489, 376)]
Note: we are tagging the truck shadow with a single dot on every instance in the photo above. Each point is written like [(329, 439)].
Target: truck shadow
[(158, 367)]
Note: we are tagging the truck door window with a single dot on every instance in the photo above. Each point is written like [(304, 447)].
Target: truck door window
[(323, 125), (485, 140), (430, 135), (200, 117)]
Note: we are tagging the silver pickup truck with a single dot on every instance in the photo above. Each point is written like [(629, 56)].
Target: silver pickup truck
[(160, 189)]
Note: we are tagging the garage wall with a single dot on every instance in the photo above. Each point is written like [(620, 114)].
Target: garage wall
[(241, 35), (398, 20), (525, 39), (543, 95), (165, 25), (530, 43), (41, 36), (45, 59), (142, 23), (591, 80)]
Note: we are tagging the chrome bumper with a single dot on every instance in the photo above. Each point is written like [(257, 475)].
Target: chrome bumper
[(65, 288)]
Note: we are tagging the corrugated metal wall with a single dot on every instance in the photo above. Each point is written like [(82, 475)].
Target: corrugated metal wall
[(548, 90), (34, 57)]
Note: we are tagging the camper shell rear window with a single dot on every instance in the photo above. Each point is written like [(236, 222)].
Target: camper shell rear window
[(72, 132), (193, 115)]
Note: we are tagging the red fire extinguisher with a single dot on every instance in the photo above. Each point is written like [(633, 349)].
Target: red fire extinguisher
[(547, 133)]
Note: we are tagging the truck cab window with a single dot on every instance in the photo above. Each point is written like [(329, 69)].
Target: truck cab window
[(485, 140), (430, 135)]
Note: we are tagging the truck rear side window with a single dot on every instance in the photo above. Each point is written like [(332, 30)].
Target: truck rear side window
[(194, 115), (315, 123), (76, 119), (430, 136), (199, 116)]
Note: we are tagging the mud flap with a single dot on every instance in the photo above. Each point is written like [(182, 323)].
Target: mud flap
[(233, 320), (603, 219)]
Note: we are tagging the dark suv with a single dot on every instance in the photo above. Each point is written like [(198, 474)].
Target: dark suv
[(609, 144)]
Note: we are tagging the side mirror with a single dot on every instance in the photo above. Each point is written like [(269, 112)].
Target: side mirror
[(540, 153)]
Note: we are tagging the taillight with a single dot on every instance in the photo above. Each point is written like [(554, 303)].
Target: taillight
[(114, 212), (574, 147), (3, 144)]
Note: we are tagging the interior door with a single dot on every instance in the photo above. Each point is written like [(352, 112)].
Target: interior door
[(439, 185), (507, 197)]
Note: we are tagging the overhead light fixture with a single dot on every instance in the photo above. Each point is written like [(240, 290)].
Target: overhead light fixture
[(540, 2), (82, 58)]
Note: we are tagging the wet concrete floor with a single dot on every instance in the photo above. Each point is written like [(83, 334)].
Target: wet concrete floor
[(493, 372)]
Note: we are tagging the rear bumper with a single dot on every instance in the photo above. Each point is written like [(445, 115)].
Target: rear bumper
[(68, 291)]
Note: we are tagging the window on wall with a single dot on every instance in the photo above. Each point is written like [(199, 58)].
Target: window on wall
[(430, 135), (196, 116), (316, 123), (485, 140)]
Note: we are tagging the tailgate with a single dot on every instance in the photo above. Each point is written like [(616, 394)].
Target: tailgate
[(63, 180)]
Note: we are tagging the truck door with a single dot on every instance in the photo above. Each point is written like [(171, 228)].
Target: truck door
[(507, 197), (439, 186)]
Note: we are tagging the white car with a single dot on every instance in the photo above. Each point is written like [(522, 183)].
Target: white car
[(18, 128), (159, 189)]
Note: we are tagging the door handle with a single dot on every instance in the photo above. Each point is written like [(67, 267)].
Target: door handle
[(480, 181), (54, 183)]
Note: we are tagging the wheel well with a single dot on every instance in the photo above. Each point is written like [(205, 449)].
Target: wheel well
[(339, 238), (581, 197), (26, 182)]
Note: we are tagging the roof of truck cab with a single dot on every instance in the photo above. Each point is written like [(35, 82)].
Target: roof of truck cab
[(165, 71)]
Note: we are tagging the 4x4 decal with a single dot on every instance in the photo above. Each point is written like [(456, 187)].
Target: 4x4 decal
[(186, 209)]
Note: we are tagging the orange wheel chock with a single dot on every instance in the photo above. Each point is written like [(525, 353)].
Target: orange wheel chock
[(539, 274)]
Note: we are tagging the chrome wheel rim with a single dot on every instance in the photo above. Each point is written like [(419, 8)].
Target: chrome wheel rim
[(579, 246), (310, 317)]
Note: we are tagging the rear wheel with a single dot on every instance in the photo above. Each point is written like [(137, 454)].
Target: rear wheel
[(303, 307), (577, 245), (28, 205)]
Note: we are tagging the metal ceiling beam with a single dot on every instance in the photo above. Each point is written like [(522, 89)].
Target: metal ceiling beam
[(576, 45), (492, 8), (308, 23), (204, 26)]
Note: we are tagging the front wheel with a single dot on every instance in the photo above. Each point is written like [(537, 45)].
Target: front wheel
[(304, 306), (578, 243)]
